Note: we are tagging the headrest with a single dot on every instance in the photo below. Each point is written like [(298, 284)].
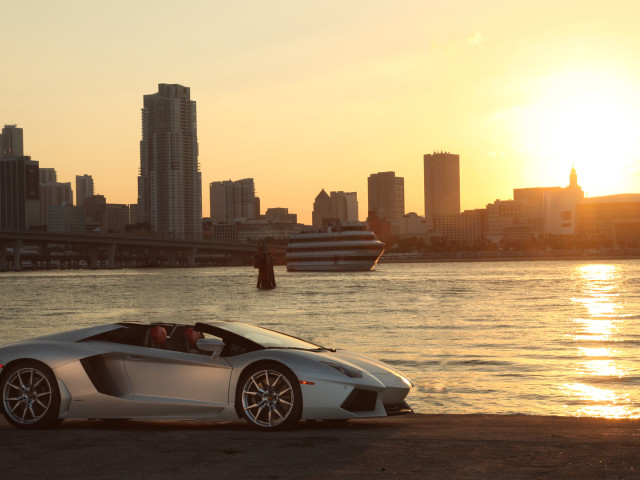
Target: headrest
[(192, 336), (158, 335)]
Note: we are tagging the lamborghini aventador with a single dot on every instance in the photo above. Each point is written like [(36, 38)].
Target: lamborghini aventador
[(217, 370)]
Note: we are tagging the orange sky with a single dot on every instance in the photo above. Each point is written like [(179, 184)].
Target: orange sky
[(309, 95)]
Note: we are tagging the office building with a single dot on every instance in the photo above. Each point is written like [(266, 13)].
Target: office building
[(52, 192), (19, 183), (11, 142), (464, 229), (281, 215), (609, 221), (386, 198), (441, 185), (323, 212), (169, 184), (339, 207), (233, 201), (66, 219), (116, 218), (345, 205), (84, 188)]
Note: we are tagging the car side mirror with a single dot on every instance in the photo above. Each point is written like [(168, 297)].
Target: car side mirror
[(212, 345)]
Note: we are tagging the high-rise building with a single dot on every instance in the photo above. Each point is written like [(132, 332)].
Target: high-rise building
[(169, 184), (233, 201), (441, 185), (19, 183), (52, 192), (337, 207), (345, 205), (323, 210), (244, 195), (386, 197), (11, 143), (84, 188)]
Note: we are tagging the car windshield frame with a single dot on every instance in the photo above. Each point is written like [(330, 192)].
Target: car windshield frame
[(267, 338)]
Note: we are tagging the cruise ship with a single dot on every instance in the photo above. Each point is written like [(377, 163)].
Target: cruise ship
[(346, 247)]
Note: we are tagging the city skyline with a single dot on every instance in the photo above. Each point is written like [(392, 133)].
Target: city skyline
[(315, 93)]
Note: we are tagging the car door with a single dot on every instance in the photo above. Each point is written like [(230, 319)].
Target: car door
[(158, 375)]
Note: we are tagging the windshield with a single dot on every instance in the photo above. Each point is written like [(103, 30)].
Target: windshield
[(268, 338)]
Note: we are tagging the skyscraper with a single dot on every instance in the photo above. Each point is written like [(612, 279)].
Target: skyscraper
[(345, 205), (19, 183), (441, 185), (11, 142), (323, 210), (84, 188), (169, 184), (386, 197), (337, 207)]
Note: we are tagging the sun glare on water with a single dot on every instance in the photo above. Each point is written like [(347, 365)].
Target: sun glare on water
[(596, 332)]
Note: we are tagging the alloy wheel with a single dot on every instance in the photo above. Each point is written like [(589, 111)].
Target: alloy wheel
[(268, 398), (27, 396)]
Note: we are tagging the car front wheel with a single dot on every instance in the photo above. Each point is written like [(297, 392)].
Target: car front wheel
[(30, 396), (269, 397)]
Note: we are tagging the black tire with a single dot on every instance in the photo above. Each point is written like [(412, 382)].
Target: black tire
[(269, 397), (30, 396)]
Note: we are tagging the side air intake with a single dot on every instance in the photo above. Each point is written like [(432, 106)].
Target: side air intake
[(360, 401)]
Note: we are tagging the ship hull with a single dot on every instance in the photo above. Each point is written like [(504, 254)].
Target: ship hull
[(331, 265)]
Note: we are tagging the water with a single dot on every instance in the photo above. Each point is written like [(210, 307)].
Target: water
[(549, 338)]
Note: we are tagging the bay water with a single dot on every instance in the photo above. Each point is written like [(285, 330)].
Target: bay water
[(540, 337)]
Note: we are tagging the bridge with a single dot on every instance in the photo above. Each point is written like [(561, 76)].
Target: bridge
[(48, 249)]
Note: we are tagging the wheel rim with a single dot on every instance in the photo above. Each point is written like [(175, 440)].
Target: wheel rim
[(27, 395), (267, 398)]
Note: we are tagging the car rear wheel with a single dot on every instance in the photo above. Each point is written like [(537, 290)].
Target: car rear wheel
[(269, 397), (30, 396)]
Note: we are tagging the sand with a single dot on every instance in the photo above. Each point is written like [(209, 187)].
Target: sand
[(411, 446)]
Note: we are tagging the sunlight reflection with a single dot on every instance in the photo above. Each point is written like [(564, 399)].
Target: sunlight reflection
[(602, 368), (600, 289), (608, 403), (600, 293), (596, 329)]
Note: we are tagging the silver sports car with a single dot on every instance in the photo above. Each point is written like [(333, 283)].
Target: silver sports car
[(215, 370)]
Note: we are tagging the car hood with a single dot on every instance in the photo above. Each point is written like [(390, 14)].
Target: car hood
[(363, 362)]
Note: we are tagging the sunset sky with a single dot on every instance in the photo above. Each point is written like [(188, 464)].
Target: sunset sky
[(307, 95)]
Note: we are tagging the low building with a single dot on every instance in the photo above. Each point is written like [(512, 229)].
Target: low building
[(280, 215), (116, 217), (65, 219), (466, 228), (256, 230), (612, 220), (219, 232)]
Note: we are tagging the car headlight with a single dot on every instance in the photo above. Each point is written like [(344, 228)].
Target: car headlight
[(344, 369)]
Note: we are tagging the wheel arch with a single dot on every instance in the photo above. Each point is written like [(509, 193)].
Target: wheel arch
[(8, 366)]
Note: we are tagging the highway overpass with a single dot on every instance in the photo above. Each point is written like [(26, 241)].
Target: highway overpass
[(19, 249)]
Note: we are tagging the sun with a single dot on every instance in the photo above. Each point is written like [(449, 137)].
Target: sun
[(592, 121)]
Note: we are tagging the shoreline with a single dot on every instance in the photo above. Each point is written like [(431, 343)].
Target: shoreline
[(411, 446), (512, 258), (453, 258)]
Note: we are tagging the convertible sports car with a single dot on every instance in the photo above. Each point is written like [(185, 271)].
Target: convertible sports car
[(217, 370)]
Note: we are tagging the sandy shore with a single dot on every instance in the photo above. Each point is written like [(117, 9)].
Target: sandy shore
[(412, 446)]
